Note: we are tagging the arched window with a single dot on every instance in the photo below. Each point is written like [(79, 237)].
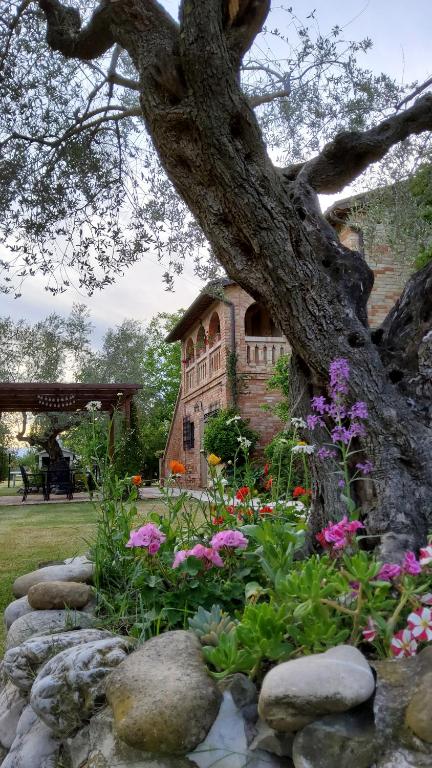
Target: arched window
[(214, 333), (201, 341), (190, 352), (259, 323)]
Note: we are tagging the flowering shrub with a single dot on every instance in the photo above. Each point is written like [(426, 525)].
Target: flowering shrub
[(227, 436)]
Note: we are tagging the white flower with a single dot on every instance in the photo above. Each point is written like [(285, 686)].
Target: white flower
[(303, 448), (233, 418), (299, 423), (244, 442), (93, 405)]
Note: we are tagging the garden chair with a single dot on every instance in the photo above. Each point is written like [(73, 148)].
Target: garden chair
[(31, 483), (59, 480)]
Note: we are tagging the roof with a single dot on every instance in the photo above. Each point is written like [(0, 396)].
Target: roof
[(205, 299), (41, 397), (339, 211)]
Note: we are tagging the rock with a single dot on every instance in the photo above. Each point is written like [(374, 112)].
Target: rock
[(45, 623), (347, 740), (225, 745), (271, 741), (97, 746), (162, 696), (70, 685), (398, 681), (15, 609), (296, 692), (241, 688), (75, 569), (22, 663), (12, 703), (54, 595), (405, 758), (418, 715), (34, 746)]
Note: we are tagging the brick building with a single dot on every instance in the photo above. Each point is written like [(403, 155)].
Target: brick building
[(226, 321)]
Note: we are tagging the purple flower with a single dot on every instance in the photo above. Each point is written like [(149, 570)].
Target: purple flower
[(340, 435), (411, 565), (233, 539), (339, 375), (319, 404), (208, 555), (365, 468), (359, 411), (341, 483), (148, 537), (326, 453), (313, 420), (389, 571), (180, 557), (337, 411), (357, 430), (339, 535)]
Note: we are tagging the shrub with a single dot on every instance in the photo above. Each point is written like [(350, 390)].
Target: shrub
[(222, 435)]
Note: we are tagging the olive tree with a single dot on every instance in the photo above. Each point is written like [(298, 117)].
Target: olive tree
[(261, 219)]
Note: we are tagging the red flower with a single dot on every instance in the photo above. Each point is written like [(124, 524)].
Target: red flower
[(218, 520), (266, 510), (230, 509), (268, 484), (243, 493), (266, 469), (298, 491)]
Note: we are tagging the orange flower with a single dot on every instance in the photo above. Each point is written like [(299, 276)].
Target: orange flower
[(136, 480), (177, 468), (268, 484), (300, 491)]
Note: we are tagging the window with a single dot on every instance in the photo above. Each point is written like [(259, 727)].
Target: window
[(188, 434), (259, 323)]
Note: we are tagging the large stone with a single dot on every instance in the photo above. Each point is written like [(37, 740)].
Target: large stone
[(296, 692), (97, 746), (76, 569), (34, 746), (70, 685), (398, 682), (418, 716), (12, 703), (347, 740), (272, 741), (400, 757), (46, 623), (162, 696), (15, 609), (226, 744), (22, 663), (54, 595)]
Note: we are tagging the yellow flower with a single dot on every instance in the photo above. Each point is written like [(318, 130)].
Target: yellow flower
[(213, 460), (301, 442)]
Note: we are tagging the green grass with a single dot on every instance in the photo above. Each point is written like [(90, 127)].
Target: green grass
[(31, 534), (5, 491)]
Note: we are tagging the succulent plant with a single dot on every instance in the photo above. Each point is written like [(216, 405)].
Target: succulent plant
[(210, 625)]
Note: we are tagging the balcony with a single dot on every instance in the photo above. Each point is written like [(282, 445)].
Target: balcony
[(207, 364), (262, 352)]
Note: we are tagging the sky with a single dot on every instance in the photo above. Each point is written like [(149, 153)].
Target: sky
[(401, 34)]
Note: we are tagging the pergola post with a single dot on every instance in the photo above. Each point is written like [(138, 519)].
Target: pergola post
[(127, 411), (111, 435)]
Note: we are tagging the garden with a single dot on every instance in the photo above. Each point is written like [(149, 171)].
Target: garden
[(227, 631)]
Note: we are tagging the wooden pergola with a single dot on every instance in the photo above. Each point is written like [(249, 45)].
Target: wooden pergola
[(40, 397)]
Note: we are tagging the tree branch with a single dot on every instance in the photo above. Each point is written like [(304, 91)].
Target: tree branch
[(124, 82), (64, 32), (350, 153), (256, 101)]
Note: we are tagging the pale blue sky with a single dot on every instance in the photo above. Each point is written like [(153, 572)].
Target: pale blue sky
[(402, 35)]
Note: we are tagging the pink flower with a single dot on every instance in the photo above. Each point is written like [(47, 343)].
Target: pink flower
[(233, 539), (148, 536), (410, 564), (403, 644), (389, 571), (339, 535), (426, 599), (180, 557), (208, 555), (420, 624), (370, 631), (426, 555)]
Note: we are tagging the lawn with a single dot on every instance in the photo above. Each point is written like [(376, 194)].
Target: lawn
[(31, 534)]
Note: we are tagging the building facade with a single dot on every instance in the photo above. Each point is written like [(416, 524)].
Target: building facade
[(224, 332)]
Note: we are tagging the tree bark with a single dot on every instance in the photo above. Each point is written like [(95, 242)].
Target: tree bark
[(266, 229)]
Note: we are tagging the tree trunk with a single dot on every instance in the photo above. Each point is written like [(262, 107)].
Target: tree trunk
[(265, 227)]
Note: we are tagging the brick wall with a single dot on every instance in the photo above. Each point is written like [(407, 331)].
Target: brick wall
[(390, 276)]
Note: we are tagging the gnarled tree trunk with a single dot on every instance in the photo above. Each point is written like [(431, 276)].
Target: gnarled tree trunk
[(265, 227)]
